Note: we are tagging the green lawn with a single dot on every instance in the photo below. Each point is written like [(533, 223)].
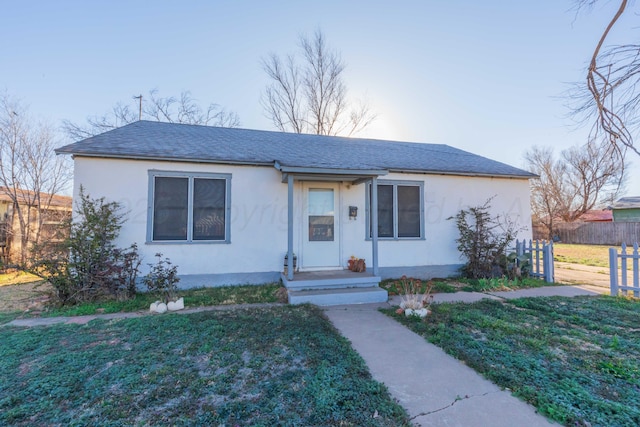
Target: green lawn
[(451, 285), (199, 297), (577, 360), (594, 255), (8, 316), (260, 366)]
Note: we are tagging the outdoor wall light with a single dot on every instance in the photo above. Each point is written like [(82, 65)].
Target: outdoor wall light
[(353, 212)]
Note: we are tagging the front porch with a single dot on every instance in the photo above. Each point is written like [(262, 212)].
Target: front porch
[(320, 238), (334, 287)]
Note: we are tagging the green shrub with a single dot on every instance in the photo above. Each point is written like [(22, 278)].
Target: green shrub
[(516, 266), (483, 241), (87, 266), (162, 279)]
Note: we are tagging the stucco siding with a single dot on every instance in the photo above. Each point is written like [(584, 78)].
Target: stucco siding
[(444, 197), (258, 217), (258, 214)]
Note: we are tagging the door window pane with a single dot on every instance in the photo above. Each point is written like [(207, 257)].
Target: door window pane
[(170, 208), (408, 211), (321, 201), (321, 214), (209, 209)]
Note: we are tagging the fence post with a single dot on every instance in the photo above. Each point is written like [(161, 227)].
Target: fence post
[(549, 269), (636, 281), (545, 261), (537, 251), (623, 267), (613, 270)]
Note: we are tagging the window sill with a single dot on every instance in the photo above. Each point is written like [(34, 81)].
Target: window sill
[(392, 239), (186, 242)]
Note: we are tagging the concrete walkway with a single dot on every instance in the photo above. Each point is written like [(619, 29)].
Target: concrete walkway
[(435, 388)]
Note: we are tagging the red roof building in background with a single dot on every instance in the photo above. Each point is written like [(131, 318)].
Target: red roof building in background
[(597, 216)]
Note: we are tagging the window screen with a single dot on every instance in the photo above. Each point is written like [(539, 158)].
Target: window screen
[(408, 211), (189, 207), (170, 208), (399, 210), (208, 209)]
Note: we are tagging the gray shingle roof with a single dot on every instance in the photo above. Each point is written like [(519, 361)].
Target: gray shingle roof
[(627, 203), (171, 141)]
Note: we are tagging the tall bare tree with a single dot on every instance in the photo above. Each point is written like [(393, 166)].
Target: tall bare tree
[(581, 179), (307, 93), (30, 173), (547, 191), (184, 109), (609, 98)]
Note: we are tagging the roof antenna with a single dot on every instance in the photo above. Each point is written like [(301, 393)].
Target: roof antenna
[(140, 111)]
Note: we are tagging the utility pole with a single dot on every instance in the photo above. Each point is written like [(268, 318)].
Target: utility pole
[(140, 110)]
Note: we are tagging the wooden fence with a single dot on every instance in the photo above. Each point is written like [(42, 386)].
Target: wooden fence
[(540, 258), (599, 233), (621, 283)]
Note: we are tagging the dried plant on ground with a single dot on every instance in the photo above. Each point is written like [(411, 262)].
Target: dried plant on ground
[(413, 295)]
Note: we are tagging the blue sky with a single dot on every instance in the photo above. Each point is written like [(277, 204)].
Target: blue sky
[(487, 77)]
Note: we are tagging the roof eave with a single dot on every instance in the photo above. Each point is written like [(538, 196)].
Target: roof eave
[(461, 173), (305, 173), (332, 171), (165, 159)]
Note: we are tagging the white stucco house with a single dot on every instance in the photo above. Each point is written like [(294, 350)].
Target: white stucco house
[(226, 205)]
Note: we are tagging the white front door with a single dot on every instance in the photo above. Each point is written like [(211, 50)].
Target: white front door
[(321, 233)]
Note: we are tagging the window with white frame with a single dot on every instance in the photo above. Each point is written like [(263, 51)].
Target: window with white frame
[(400, 210), (189, 207)]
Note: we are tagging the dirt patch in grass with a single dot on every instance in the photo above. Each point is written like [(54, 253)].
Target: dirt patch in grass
[(22, 294), (32, 296)]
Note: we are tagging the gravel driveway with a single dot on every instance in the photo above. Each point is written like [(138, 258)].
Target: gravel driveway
[(578, 274)]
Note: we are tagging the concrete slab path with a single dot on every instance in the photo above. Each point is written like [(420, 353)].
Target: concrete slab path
[(545, 291), (435, 388), (550, 291), (81, 320)]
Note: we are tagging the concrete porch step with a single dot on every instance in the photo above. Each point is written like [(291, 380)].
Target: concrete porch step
[(324, 297), (330, 280)]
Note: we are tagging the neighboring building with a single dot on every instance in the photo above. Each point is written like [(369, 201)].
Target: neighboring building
[(226, 205), (605, 215), (58, 210), (626, 209)]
